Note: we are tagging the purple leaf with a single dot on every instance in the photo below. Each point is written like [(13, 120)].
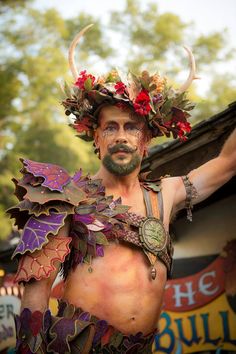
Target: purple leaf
[(84, 316), (86, 219), (77, 176), (99, 251), (55, 177), (101, 328), (37, 229), (61, 331)]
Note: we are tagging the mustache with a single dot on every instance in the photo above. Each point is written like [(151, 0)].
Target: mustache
[(121, 147)]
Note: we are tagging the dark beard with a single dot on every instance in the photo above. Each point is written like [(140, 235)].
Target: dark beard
[(117, 169)]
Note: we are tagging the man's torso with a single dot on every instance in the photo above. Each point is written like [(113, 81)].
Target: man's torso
[(119, 288)]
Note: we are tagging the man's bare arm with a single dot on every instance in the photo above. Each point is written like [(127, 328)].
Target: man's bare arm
[(210, 176)]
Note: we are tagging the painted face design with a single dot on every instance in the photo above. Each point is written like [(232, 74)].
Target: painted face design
[(121, 141), (131, 128)]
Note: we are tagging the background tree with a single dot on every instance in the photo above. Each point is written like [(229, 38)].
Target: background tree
[(154, 41), (33, 48)]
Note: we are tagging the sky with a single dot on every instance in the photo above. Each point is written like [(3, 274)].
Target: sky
[(208, 15)]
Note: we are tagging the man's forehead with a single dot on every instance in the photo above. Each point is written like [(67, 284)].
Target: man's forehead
[(116, 115)]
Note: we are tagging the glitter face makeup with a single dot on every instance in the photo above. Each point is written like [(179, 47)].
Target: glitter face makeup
[(122, 138)]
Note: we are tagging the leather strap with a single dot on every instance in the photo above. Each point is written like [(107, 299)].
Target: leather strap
[(147, 200), (160, 203), (151, 202), (154, 203)]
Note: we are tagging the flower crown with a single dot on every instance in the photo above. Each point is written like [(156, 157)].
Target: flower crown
[(166, 110)]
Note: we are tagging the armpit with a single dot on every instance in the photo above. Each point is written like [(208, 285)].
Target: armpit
[(191, 194)]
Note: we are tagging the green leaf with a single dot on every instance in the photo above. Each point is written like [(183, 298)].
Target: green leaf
[(190, 106), (67, 90), (152, 107), (85, 137), (154, 187), (120, 209), (134, 78), (82, 246), (166, 107), (85, 209), (152, 87), (145, 84), (88, 259), (98, 97), (113, 78), (101, 239), (88, 85)]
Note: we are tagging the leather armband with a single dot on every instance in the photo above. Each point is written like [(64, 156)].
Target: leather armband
[(40, 263), (191, 193)]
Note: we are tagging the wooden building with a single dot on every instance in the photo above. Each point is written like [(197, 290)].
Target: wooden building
[(200, 302)]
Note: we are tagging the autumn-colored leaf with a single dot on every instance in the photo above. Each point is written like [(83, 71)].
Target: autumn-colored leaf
[(40, 264)]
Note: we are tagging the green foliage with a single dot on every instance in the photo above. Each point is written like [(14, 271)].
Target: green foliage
[(155, 40), (94, 43), (5, 223), (221, 92)]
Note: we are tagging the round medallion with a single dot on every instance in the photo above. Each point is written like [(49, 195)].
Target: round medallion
[(153, 235)]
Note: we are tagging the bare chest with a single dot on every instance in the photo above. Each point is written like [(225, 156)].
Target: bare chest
[(119, 289)]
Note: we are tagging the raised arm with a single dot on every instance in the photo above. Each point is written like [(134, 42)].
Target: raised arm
[(210, 176)]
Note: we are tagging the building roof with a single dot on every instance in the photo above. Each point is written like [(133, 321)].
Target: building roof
[(204, 143)]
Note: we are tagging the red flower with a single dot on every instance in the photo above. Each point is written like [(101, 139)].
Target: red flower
[(120, 87), (82, 78), (182, 128), (142, 103), (83, 125), (181, 135)]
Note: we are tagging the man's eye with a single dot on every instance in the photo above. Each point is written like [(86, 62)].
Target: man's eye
[(132, 127), (110, 128)]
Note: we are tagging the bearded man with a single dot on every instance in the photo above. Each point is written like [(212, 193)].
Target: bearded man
[(109, 234)]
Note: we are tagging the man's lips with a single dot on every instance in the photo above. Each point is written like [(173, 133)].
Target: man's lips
[(122, 152)]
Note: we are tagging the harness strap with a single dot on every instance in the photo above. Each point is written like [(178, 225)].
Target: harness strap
[(154, 203), (147, 200), (161, 206)]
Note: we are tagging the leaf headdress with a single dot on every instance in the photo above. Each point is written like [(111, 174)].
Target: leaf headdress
[(166, 110)]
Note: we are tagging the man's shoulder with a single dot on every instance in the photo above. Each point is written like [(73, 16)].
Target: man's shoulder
[(49, 175), (152, 182), (46, 188)]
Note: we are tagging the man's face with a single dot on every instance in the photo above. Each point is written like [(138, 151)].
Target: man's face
[(121, 140)]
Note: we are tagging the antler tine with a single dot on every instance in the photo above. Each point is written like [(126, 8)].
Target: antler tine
[(192, 74), (72, 49)]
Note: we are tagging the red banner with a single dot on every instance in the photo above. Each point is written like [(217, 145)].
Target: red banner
[(197, 290)]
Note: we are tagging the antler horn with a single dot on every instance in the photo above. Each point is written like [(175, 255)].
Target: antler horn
[(192, 74), (72, 49)]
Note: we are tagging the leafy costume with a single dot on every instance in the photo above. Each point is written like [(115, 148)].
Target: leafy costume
[(47, 196)]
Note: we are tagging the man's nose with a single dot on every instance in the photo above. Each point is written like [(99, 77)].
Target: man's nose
[(121, 137)]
